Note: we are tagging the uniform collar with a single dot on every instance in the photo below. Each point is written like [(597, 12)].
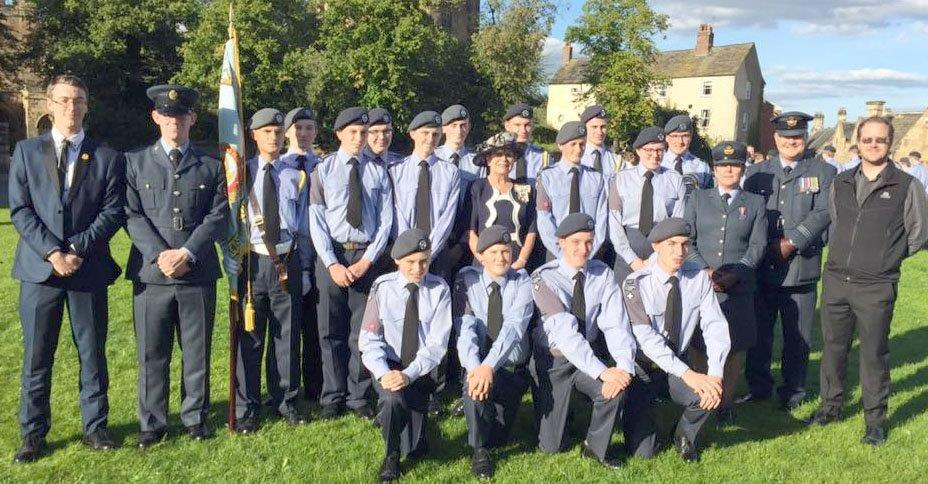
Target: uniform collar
[(733, 192), (640, 169), (414, 158), (671, 156), (343, 156), (566, 166), (590, 148), (262, 162), (167, 148), (662, 276), (568, 271), (75, 139), (461, 152), (309, 154), (401, 279), (488, 279)]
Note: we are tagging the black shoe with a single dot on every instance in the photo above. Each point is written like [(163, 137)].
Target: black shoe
[(331, 411), (365, 412), (481, 463), (31, 450), (199, 432), (875, 436), (420, 451), (724, 417), (293, 418), (150, 438), (686, 449), (457, 408), (99, 439), (390, 469), (246, 425), (607, 462), (751, 397), (435, 408), (793, 401), (822, 418)]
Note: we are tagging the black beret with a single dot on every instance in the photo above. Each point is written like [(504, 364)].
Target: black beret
[(729, 153), (492, 235), (350, 116), (594, 111), (454, 113), (667, 228), (570, 131), (793, 123), (680, 122), (173, 99), (650, 134), (425, 119), (410, 242), (266, 117), (519, 109), (297, 114), (573, 223), (379, 116)]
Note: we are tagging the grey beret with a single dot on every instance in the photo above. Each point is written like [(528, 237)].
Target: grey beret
[(679, 123), (349, 117), (454, 113), (667, 228), (492, 235), (297, 114), (410, 242), (379, 116), (570, 131), (266, 117), (518, 109), (729, 153), (650, 134), (425, 119), (573, 223), (594, 111)]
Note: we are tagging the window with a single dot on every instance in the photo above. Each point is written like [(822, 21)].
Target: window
[(662, 90), (707, 88), (704, 118), (747, 90), (745, 121)]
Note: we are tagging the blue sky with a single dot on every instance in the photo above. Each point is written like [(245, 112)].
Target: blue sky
[(816, 55)]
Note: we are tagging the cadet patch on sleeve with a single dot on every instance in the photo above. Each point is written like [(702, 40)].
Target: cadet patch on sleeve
[(542, 201), (633, 302), (371, 321), (546, 300)]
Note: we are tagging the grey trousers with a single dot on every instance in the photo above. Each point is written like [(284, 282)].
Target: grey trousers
[(489, 423)]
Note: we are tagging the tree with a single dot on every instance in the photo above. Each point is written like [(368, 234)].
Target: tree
[(9, 47), (617, 36)]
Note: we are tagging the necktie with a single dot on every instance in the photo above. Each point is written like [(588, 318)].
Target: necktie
[(673, 314), (574, 191), (271, 207), (354, 195), (521, 168), (63, 164), (175, 157), (410, 344), (678, 164), (379, 160), (301, 162), (787, 170), (455, 159), (494, 313), (578, 304), (597, 161), (726, 198), (646, 214), (424, 198)]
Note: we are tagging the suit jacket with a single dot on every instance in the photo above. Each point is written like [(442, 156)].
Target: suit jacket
[(170, 209), (797, 209), (86, 220)]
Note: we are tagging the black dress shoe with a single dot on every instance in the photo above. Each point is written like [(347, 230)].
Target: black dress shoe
[(199, 432), (365, 412), (331, 411), (607, 462), (99, 439), (246, 425), (390, 469), (481, 463), (150, 438), (31, 450), (420, 451), (822, 418), (875, 436), (793, 401), (724, 417), (435, 408), (293, 418), (751, 397), (457, 408), (686, 449)]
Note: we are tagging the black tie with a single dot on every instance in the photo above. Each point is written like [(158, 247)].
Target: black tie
[(521, 168), (378, 160), (175, 157), (574, 191), (354, 195), (410, 344), (726, 197), (678, 164), (787, 170), (424, 198), (578, 304), (646, 214), (597, 161), (63, 164), (271, 207), (301, 162), (455, 159), (673, 314), (494, 313)]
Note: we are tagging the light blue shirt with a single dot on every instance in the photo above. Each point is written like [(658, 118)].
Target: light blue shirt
[(312, 160), (733, 193), (625, 203), (381, 336), (445, 189), (167, 148), (917, 171), (535, 160), (292, 201), (469, 171), (610, 161), (691, 166), (553, 202), (387, 158)]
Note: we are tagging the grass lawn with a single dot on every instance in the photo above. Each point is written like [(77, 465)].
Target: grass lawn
[(768, 444)]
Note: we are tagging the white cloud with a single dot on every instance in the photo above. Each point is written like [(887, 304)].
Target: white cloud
[(551, 55), (800, 84)]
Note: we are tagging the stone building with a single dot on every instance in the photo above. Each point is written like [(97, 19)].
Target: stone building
[(910, 127)]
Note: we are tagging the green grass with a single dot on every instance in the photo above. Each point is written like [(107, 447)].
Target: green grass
[(769, 445)]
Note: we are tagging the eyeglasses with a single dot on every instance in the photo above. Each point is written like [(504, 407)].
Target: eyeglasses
[(653, 151), (74, 101), (879, 141)]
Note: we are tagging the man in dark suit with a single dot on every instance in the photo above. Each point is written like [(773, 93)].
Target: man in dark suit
[(176, 209), (66, 202)]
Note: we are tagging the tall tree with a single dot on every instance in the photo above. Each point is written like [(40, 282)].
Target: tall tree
[(617, 37)]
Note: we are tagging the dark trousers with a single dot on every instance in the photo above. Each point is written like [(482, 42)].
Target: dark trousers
[(311, 355), (640, 245), (41, 307), (340, 310), (489, 423), (159, 311), (277, 317), (447, 375), (402, 415), (869, 308), (795, 307)]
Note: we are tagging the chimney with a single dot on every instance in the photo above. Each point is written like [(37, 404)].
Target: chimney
[(704, 39), (875, 108), (567, 53), (818, 123), (842, 116)]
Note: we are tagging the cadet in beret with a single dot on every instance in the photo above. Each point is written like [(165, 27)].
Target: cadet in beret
[(520, 121), (678, 133), (795, 191), (666, 302), (583, 330), (828, 156), (570, 187), (492, 346), (379, 139), (728, 239), (640, 197), (279, 262), (350, 217), (595, 155), (402, 343)]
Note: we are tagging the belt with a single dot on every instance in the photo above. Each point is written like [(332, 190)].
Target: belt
[(353, 245), (282, 248)]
